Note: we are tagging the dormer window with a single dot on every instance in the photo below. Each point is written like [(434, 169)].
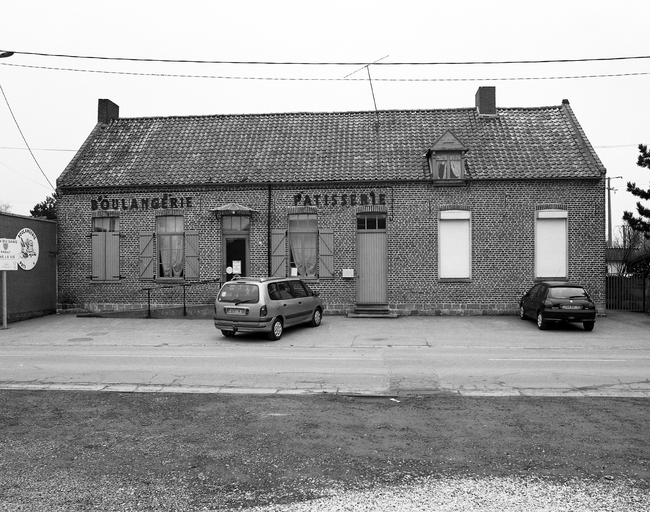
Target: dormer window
[(448, 165), (447, 158)]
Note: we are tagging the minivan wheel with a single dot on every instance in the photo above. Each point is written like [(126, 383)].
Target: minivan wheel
[(276, 330), (541, 324), (228, 334), (316, 318), (522, 313), (589, 326)]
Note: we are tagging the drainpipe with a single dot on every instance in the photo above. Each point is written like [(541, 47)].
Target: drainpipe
[(268, 231)]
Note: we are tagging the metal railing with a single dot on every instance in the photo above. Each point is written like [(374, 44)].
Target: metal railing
[(625, 292), (184, 285)]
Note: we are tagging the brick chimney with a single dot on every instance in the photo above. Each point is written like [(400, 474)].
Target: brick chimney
[(107, 111), (486, 102)]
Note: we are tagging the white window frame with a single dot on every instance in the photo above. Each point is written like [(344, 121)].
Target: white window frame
[(455, 246), (445, 158), (552, 227), (174, 242), (301, 227)]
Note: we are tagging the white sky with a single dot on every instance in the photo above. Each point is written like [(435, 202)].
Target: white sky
[(56, 109)]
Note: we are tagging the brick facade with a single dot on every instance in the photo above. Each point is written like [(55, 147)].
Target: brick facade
[(502, 240)]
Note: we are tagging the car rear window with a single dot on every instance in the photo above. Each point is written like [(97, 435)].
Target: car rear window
[(239, 293), (564, 292)]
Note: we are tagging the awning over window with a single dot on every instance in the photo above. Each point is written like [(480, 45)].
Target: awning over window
[(233, 209)]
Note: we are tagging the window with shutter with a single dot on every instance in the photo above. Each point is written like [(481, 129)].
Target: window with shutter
[(105, 249), (303, 244), (170, 247)]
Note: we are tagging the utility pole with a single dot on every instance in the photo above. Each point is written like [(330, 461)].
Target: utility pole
[(609, 209)]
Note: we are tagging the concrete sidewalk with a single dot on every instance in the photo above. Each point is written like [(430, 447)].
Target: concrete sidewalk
[(629, 329)]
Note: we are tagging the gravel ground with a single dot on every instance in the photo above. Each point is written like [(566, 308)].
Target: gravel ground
[(76, 451), (481, 494)]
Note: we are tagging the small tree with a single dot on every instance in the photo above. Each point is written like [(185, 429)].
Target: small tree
[(642, 222), (46, 209), (5, 207), (628, 245)]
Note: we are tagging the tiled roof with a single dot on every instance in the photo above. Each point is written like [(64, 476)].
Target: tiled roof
[(528, 143)]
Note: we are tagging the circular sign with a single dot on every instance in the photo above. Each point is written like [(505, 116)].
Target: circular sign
[(28, 255)]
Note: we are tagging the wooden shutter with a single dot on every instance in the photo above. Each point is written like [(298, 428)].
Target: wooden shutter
[(192, 255), (326, 253), (112, 256), (278, 253), (146, 255), (98, 260)]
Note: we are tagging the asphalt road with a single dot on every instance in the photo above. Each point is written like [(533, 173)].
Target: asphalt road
[(496, 356)]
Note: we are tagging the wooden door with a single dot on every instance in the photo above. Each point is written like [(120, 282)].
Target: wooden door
[(372, 260)]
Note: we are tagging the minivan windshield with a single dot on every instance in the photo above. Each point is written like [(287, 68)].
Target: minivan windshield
[(566, 292), (239, 293)]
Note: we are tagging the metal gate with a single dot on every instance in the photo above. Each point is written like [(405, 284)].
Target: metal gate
[(626, 292)]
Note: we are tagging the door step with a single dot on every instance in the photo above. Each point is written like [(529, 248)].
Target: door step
[(372, 311)]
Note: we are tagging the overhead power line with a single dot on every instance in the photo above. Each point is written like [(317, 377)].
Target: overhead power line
[(289, 63), (24, 139), (312, 79)]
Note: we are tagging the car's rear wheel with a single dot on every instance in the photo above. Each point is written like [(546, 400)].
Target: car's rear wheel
[(589, 326), (276, 330), (541, 324), (522, 313), (316, 318), (228, 334)]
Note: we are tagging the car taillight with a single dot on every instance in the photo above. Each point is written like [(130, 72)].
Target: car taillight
[(263, 311)]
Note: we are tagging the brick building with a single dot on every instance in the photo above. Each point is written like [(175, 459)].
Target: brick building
[(454, 211), (31, 282)]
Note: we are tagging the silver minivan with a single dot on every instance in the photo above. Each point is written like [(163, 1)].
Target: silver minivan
[(266, 304)]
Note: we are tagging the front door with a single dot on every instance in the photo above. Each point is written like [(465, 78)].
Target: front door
[(235, 231), (235, 256), (372, 259)]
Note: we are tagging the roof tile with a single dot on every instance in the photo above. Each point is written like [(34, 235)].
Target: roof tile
[(528, 143)]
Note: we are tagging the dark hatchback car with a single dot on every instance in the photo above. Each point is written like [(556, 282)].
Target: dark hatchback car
[(558, 301)]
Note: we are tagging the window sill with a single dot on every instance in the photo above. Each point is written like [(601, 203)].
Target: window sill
[(449, 183), (454, 280)]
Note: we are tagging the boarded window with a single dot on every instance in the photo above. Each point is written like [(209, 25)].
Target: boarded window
[(551, 244), (455, 248)]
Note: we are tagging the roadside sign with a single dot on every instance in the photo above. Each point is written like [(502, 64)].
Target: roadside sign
[(9, 253), (8, 265)]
